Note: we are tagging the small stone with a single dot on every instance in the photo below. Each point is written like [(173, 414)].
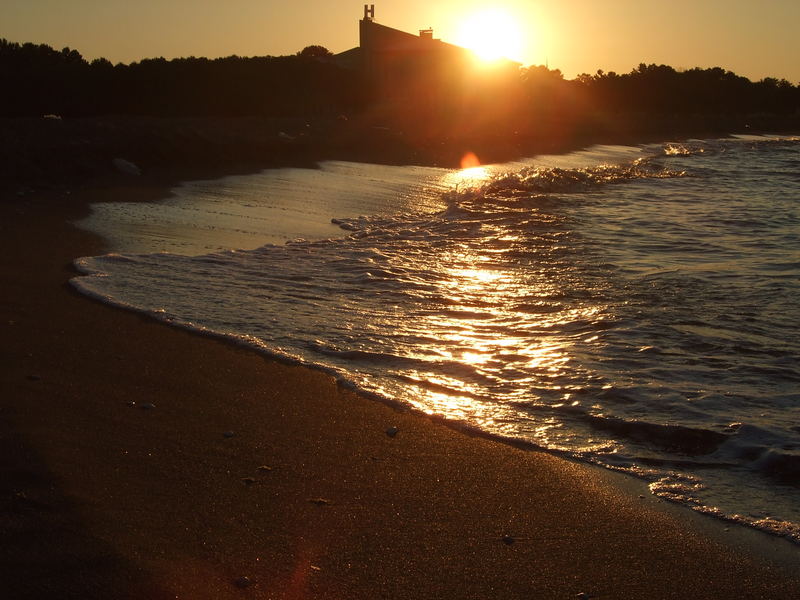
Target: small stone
[(248, 480), (126, 166), (228, 434), (320, 501), (147, 406), (508, 540), (243, 582), (392, 431)]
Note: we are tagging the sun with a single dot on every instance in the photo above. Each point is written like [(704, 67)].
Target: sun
[(491, 33)]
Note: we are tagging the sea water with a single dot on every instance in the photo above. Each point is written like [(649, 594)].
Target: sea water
[(634, 307)]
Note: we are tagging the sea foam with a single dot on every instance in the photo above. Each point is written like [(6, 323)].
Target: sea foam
[(632, 307)]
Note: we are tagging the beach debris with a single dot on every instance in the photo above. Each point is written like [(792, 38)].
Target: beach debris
[(319, 501), (147, 406), (243, 582), (18, 498), (392, 431), (22, 502), (248, 480), (126, 166), (508, 540), (228, 434), (263, 468)]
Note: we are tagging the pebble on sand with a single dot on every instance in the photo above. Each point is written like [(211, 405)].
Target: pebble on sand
[(243, 582), (228, 434), (392, 431), (126, 166), (507, 540)]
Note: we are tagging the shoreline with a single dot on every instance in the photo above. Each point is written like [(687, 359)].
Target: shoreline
[(731, 520), (46, 155), (158, 502)]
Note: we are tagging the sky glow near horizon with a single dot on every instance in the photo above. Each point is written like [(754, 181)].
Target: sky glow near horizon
[(752, 39)]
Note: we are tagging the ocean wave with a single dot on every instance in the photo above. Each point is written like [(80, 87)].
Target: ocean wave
[(534, 181), (628, 315)]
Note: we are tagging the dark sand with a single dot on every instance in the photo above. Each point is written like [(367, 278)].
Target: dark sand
[(103, 498)]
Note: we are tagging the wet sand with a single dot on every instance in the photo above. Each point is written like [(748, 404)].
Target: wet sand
[(141, 461)]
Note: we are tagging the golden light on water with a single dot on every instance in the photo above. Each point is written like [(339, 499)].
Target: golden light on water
[(471, 174), (491, 334), (496, 344), (476, 280)]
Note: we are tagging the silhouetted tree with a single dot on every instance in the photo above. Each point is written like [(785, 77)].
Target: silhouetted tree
[(314, 52), (38, 80)]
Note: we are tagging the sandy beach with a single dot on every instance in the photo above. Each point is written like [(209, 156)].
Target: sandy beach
[(141, 461)]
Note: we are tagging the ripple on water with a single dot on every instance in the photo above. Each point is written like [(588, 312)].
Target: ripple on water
[(637, 311)]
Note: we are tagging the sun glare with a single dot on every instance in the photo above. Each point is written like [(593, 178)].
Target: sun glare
[(491, 33)]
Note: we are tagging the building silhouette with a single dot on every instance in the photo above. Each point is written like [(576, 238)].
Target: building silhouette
[(417, 73)]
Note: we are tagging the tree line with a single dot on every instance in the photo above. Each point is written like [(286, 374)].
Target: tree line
[(40, 80)]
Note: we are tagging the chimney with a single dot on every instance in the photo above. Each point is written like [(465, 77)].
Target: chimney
[(426, 34), (369, 12)]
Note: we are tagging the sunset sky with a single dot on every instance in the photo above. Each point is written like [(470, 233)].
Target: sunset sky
[(754, 39)]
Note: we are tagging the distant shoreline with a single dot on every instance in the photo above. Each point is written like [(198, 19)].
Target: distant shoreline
[(55, 153)]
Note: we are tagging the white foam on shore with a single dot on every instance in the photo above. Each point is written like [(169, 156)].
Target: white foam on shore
[(278, 205)]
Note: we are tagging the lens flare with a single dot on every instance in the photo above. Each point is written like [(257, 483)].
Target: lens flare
[(470, 161)]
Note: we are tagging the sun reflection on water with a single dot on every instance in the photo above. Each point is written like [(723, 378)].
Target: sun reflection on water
[(470, 176), (483, 327), (493, 354)]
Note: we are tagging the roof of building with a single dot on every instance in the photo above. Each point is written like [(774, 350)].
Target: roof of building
[(401, 42)]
